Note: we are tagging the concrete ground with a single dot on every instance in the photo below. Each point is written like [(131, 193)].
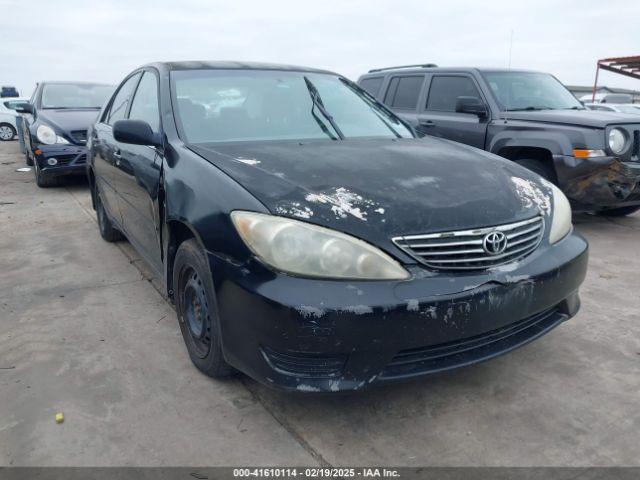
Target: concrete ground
[(83, 331)]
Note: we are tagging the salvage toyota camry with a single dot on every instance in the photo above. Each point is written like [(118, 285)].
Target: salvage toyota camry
[(310, 241)]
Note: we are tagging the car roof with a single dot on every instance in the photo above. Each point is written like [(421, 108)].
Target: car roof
[(72, 82), (234, 65), (383, 71)]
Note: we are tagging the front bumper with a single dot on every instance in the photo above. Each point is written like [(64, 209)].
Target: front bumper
[(321, 335), (601, 183), (72, 159)]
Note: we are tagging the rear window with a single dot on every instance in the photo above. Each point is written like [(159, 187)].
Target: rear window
[(403, 92), (372, 85)]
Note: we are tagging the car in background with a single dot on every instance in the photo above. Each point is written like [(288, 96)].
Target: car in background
[(8, 92), (55, 127), (527, 117), (308, 239), (607, 98), (8, 115), (613, 107)]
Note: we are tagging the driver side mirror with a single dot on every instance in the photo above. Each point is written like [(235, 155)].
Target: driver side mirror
[(136, 132), (24, 108), (471, 105)]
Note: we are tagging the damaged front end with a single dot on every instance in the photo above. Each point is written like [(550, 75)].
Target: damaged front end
[(615, 183)]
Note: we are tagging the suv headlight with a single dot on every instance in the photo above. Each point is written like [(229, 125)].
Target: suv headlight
[(311, 251), (48, 136), (561, 220), (617, 140)]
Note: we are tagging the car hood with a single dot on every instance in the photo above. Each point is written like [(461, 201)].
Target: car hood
[(377, 189), (586, 118), (68, 120)]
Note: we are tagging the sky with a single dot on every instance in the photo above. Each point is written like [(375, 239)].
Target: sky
[(104, 40)]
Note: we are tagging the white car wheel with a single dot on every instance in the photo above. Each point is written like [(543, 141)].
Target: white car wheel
[(7, 132)]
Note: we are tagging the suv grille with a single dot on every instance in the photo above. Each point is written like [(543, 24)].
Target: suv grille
[(470, 250), (79, 136)]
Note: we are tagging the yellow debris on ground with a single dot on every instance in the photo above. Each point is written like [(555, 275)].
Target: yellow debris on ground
[(59, 417)]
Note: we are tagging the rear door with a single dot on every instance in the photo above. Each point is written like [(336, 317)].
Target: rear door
[(105, 148), (438, 116), (138, 176), (403, 94)]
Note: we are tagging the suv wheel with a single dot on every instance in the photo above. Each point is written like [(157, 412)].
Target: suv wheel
[(619, 212), (197, 310), (538, 167), (7, 132)]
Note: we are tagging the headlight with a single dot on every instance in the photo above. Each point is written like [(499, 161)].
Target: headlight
[(561, 221), (617, 140), (48, 136), (311, 251)]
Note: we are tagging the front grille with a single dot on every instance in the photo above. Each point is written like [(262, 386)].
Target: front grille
[(465, 249), (418, 361), (304, 365), (635, 150), (79, 136)]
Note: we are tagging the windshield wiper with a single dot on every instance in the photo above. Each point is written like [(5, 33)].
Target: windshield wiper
[(373, 108), (530, 109), (317, 102), (574, 108)]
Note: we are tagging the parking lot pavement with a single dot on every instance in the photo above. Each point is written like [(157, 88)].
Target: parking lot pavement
[(83, 331)]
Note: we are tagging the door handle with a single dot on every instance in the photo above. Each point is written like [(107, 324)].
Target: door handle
[(426, 123), (117, 156)]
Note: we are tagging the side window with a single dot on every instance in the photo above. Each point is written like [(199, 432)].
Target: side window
[(372, 85), (445, 90), (145, 102), (119, 104), (403, 92)]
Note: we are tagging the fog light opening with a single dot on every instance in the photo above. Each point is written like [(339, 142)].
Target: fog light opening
[(52, 161)]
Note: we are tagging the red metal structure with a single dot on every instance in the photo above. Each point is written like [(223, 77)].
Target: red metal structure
[(628, 66)]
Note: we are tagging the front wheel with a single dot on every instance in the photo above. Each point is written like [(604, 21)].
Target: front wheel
[(42, 180), (619, 212), (197, 310), (7, 132)]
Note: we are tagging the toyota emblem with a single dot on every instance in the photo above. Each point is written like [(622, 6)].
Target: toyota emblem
[(494, 243)]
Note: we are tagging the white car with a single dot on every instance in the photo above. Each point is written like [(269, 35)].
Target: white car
[(8, 116), (615, 107)]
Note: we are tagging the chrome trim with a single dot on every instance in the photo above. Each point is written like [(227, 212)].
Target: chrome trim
[(433, 254)]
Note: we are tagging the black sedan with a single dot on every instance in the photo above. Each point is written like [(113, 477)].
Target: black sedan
[(310, 241), (55, 127)]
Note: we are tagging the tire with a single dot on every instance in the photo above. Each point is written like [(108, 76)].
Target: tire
[(43, 181), (197, 310), (7, 132), (107, 231), (538, 167), (619, 212)]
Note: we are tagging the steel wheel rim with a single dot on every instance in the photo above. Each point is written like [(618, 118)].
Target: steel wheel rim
[(6, 133), (195, 311)]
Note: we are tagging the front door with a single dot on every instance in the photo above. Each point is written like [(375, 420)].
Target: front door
[(105, 148), (138, 177), (440, 119)]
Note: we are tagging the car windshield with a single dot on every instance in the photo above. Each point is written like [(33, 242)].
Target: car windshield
[(530, 91), (74, 95), (258, 105)]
